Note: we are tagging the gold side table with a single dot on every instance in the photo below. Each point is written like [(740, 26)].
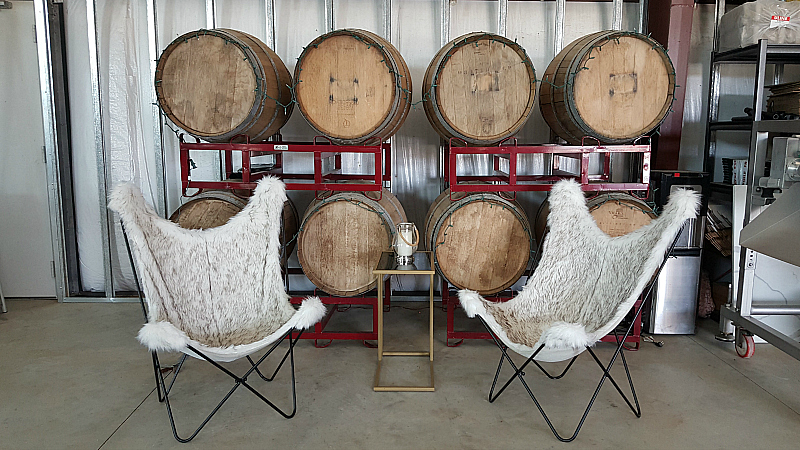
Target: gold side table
[(388, 266)]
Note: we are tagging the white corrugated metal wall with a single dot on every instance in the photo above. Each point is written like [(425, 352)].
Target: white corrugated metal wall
[(118, 137)]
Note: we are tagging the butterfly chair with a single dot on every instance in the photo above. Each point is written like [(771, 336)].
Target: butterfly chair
[(215, 294), (583, 287)]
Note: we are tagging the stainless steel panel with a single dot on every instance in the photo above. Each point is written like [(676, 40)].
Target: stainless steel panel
[(775, 310), (158, 139), (674, 303), (558, 33), (616, 21), (445, 22), (41, 14), (387, 20), (502, 17), (643, 16), (775, 231), (211, 14), (783, 168), (692, 234), (269, 20)]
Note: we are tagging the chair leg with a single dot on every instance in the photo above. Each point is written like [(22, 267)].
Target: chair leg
[(636, 410), (158, 369), (243, 379), (286, 355), (239, 381), (519, 374), (555, 377), (496, 376)]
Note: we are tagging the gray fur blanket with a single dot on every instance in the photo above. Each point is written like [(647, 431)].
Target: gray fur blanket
[(220, 287)]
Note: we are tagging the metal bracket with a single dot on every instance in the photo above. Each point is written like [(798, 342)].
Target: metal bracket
[(750, 261), (5, 5)]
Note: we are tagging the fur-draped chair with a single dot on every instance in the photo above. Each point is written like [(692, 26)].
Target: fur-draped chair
[(214, 294), (583, 287)]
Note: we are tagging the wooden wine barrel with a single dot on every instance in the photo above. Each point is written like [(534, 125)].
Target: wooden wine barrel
[(480, 87), (480, 241), (612, 85), (616, 213), (214, 208), (342, 236), (353, 86), (217, 84)]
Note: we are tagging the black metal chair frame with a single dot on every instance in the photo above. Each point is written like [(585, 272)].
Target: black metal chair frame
[(163, 389), (520, 374)]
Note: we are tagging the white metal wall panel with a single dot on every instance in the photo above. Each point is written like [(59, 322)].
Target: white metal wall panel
[(25, 251), (125, 84), (175, 19), (84, 162)]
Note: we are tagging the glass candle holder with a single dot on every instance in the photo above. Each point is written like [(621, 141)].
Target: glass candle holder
[(406, 241)]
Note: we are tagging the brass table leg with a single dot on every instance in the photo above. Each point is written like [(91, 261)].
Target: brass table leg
[(377, 387)]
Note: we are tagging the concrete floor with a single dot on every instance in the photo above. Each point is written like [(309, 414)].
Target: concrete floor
[(73, 376)]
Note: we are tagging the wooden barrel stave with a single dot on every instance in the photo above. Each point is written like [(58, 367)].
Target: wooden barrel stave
[(429, 94), (479, 241), (404, 96), (353, 86), (342, 237), (270, 120), (614, 112), (557, 76), (218, 84)]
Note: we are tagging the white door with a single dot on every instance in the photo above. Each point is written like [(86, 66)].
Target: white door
[(26, 253)]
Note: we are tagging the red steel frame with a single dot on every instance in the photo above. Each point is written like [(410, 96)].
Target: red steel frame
[(318, 181), (321, 148), (514, 182)]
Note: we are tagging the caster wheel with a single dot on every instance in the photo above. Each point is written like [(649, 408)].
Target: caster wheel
[(747, 348)]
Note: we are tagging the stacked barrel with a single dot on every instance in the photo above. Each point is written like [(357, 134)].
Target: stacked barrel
[(480, 88), (353, 86), (614, 86), (220, 84)]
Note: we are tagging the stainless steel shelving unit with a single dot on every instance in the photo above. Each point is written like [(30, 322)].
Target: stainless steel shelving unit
[(759, 55)]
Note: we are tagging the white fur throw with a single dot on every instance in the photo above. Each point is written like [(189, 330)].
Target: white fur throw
[(586, 281), (217, 288)]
